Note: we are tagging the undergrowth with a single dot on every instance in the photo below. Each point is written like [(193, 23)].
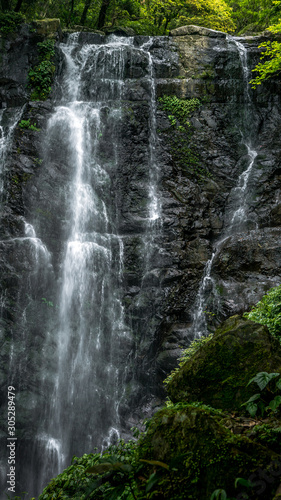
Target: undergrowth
[(268, 312), (41, 77)]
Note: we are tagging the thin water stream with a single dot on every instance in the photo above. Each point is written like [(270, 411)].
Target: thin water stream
[(236, 213)]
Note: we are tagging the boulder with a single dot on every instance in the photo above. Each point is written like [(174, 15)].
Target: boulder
[(204, 455), (218, 373)]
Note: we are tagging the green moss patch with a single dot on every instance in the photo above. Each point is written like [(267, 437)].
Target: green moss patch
[(218, 372)]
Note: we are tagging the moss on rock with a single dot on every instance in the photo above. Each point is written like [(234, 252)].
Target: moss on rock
[(219, 371), (46, 26), (209, 455)]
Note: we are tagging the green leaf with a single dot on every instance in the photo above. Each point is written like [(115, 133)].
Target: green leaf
[(156, 462), (115, 493), (243, 482), (278, 384), (219, 495), (263, 378), (252, 398), (107, 466), (273, 405), (252, 408), (152, 481)]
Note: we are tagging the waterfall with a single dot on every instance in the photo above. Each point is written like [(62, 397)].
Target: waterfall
[(8, 121), (236, 216), (91, 328), (75, 272)]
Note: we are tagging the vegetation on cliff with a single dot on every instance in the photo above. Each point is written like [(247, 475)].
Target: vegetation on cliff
[(203, 444), (268, 312)]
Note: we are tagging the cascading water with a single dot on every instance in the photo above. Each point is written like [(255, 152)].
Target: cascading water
[(236, 214), (8, 121), (78, 274)]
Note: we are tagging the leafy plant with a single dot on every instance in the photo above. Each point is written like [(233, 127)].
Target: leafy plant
[(195, 345), (49, 303), (180, 109), (25, 124), (40, 77), (268, 312), (222, 495), (256, 402), (10, 21), (219, 495), (46, 49), (179, 134)]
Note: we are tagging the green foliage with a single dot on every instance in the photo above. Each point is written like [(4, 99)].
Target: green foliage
[(169, 14), (265, 403), (264, 13), (262, 379), (41, 76), (179, 134), (222, 495), (25, 124), (73, 481), (118, 474), (195, 345), (254, 15), (271, 66), (219, 495), (268, 436), (10, 21), (49, 303), (268, 312), (46, 49), (149, 17), (180, 109)]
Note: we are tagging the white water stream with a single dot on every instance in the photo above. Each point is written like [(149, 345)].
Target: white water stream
[(236, 211), (91, 330)]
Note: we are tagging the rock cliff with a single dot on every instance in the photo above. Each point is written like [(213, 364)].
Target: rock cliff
[(198, 173)]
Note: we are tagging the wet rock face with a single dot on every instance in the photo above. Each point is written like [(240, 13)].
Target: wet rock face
[(197, 209), (18, 53), (195, 199)]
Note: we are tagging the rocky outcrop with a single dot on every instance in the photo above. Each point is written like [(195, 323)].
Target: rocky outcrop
[(213, 375), (197, 442), (198, 201)]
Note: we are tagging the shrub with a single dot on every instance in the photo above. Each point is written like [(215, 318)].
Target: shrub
[(10, 21), (268, 312)]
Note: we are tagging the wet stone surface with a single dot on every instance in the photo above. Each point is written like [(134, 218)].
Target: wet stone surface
[(163, 260)]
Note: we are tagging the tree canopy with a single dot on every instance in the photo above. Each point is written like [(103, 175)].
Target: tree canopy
[(144, 16)]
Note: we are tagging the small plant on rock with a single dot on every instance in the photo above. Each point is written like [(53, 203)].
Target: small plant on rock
[(41, 76), (268, 312), (25, 124), (265, 401)]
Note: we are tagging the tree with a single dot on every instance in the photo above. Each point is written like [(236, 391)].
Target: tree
[(102, 14), (254, 15), (215, 14), (85, 12)]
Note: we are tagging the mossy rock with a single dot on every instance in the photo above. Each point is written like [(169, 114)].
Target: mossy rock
[(120, 31), (218, 373), (204, 454), (46, 26)]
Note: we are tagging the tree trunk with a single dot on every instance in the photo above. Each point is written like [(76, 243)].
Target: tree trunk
[(85, 12), (18, 6), (70, 13), (102, 14)]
